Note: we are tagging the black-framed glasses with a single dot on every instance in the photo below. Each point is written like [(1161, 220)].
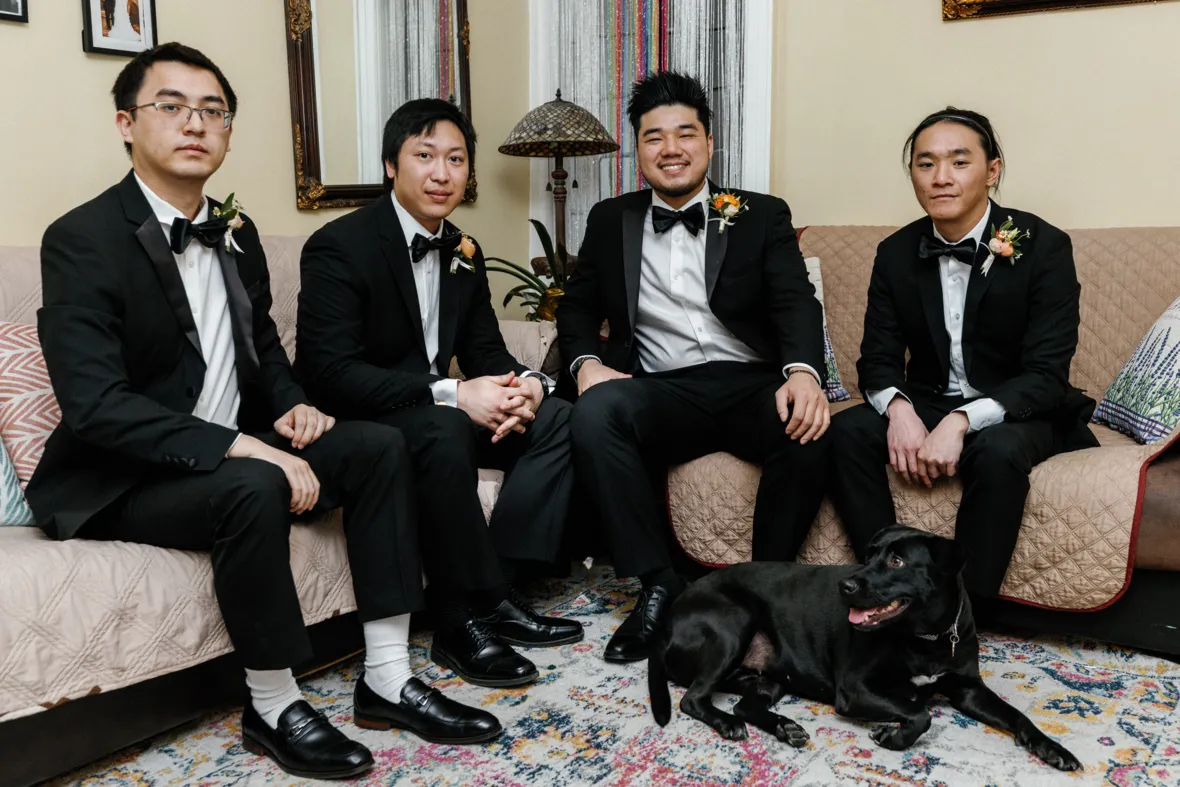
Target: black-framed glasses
[(177, 113)]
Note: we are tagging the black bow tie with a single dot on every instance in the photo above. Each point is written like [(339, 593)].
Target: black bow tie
[(931, 249), (693, 218), (421, 245), (207, 233)]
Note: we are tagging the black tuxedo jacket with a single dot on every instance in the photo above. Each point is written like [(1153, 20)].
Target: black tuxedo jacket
[(754, 272), (124, 359), (1020, 327), (361, 350)]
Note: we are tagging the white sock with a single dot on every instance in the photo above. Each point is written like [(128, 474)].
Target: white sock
[(272, 691), (387, 656)]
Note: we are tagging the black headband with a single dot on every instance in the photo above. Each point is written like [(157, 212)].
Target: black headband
[(975, 124)]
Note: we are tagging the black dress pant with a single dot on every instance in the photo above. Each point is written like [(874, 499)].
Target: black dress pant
[(993, 468), (622, 427), (240, 513), (460, 549)]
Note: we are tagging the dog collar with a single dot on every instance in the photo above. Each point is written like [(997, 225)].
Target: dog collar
[(953, 631)]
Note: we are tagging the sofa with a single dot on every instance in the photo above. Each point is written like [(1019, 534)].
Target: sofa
[(103, 644), (1099, 548)]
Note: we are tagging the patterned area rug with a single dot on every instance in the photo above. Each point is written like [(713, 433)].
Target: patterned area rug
[(587, 722)]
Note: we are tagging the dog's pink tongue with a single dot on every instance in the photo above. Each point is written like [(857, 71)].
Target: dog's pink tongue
[(858, 615)]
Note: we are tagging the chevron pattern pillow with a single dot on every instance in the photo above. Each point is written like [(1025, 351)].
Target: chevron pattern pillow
[(28, 409), (834, 388)]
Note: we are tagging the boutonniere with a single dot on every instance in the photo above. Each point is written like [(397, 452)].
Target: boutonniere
[(1006, 243), (464, 255), (231, 213), (727, 206)]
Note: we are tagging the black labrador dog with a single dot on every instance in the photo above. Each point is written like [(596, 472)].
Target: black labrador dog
[(876, 641)]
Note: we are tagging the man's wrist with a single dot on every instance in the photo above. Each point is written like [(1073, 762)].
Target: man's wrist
[(898, 401), (960, 420)]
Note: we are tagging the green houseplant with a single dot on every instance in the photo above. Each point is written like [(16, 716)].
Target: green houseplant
[(539, 291)]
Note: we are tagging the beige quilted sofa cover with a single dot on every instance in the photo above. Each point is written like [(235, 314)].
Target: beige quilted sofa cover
[(81, 617), (1076, 544)]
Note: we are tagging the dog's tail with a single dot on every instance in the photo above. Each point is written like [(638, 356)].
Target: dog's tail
[(657, 686)]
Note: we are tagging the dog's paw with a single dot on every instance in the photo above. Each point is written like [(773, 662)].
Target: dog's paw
[(890, 736), (731, 729), (1050, 751), (791, 734)]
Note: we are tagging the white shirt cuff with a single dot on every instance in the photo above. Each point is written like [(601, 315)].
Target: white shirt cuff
[(880, 399), (545, 380), (231, 445), (808, 367), (982, 413), (445, 392), (581, 358)]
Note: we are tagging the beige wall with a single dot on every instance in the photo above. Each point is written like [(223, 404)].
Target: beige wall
[(59, 146), (1086, 103)]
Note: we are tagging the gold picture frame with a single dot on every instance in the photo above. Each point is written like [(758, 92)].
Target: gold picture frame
[(976, 9)]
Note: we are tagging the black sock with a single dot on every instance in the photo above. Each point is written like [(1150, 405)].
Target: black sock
[(665, 577), (484, 601), (451, 607)]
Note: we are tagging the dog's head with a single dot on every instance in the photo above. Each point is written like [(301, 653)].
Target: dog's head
[(909, 579)]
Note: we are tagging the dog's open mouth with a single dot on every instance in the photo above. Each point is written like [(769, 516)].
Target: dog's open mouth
[(874, 616)]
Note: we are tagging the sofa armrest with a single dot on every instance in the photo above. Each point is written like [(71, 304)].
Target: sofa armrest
[(533, 344)]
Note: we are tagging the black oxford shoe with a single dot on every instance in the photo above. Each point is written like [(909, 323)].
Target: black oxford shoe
[(478, 656), (633, 640), (517, 624), (426, 712), (305, 744)]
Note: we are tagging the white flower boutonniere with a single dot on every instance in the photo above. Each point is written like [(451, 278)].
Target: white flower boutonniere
[(1006, 243), (464, 255), (231, 213), (727, 206)]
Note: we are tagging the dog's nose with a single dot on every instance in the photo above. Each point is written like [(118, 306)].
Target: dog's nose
[(849, 586)]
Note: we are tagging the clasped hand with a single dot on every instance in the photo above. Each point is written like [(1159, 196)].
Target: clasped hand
[(504, 403), (920, 456), (302, 425)]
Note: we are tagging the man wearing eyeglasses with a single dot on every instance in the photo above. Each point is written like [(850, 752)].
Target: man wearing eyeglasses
[(182, 426)]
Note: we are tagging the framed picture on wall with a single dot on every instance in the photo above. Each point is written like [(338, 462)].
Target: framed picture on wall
[(14, 11), (973, 9), (118, 27)]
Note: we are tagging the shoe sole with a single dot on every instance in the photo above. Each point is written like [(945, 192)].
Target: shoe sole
[(442, 660), (548, 644), (617, 660), (384, 725), (262, 750)]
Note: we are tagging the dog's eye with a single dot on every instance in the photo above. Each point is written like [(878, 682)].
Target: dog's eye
[(895, 561)]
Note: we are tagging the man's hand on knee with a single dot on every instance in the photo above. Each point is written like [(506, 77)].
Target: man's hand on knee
[(303, 425), (944, 446), (521, 408), (305, 487), (804, 401), (594, 372), (906, 436), (491, 401)]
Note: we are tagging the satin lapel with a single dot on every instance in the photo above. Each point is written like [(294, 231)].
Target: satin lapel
[(397, 254), (633, 218), (151, 237), (448, 304), (240, 309), (715, 246), (978, 283), (930, 291)]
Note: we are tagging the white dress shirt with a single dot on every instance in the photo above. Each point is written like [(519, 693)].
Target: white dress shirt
[(674, 323), (204, 286), (427, 273), (981, 412)]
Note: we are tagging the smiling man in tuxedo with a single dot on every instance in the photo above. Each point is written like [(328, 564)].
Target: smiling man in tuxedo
[(390, 294), (984, 300), (182, 426), (716, 344)]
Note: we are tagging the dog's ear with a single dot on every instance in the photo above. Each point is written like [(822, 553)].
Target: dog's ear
[(884, 537)]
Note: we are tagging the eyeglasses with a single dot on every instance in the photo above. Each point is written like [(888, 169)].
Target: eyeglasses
[(177, 114)]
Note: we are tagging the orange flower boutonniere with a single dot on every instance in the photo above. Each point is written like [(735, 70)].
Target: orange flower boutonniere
[(728, 206)]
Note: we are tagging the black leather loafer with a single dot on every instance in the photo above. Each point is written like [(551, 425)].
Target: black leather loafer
[(517, 624), (633, 640), (474, 653), (305, 744), (426, 712)]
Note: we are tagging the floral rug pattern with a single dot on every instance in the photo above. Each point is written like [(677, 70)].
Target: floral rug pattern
[(587, 722)]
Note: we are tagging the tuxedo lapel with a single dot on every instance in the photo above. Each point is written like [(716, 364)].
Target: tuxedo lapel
[(634, 216), (716, 244), (241, 311), (397, 255), (978, 283), (930, 291), (448, 305), (151, 237)]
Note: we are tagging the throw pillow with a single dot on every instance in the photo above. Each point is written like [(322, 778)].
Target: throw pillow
[(14, 510), (28, 408), (834, 387), (1144, 399)]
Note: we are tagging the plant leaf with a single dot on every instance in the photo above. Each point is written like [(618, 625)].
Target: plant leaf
[(546, 242), (534, 278)]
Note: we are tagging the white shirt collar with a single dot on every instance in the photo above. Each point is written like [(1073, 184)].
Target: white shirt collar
[(701, 197), (165, 211), (410, 225), (975, 234)]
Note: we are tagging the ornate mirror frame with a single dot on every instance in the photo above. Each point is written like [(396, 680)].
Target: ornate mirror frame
[(311, 193)]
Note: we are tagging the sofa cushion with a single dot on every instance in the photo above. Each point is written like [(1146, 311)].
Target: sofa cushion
[(28, 408), (1144, 399), (14, 509)]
